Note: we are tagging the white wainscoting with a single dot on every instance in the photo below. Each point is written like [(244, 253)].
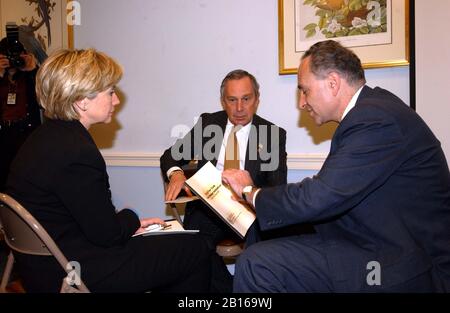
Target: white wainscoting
[(136, 181), (297, 161)]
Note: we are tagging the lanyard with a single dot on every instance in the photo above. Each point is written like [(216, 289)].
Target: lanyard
[(12, 92)]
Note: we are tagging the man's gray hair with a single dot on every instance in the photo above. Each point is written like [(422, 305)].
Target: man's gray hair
[(239, 74)]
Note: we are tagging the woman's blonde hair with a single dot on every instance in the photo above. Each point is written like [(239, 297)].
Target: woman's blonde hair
[(68, 76)]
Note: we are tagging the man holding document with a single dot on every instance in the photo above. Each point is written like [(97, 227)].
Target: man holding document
[(380, 202), (233, 138)]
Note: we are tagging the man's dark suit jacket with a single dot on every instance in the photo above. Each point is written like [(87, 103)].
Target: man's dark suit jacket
[(260, 177), (275, 147), (60, 176), (383, 194)]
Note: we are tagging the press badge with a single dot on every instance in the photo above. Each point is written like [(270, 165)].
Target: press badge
[(11, 99)]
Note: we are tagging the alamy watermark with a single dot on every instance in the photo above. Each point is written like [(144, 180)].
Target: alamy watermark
[(205, 143), (373, 278), (74, 13), (73, 277)]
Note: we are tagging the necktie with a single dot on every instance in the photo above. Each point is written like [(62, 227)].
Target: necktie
[(232, 150)]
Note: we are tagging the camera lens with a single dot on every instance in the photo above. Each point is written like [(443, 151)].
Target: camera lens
[(16, 61), (11, 47)]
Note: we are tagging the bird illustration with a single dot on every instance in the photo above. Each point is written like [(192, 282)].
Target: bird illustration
[(44, 12), (27, 34), (31, 44), (330, 4)]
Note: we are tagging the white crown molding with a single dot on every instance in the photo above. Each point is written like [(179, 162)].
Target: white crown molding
[(295, 161)]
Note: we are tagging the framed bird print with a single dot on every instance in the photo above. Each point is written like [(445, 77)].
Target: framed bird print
[(376, 30), (41, 25)]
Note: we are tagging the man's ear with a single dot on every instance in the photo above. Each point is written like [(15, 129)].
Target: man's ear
[(334, 82)]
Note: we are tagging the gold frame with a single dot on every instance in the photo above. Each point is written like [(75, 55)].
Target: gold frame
[(289, 58), (70, 40)]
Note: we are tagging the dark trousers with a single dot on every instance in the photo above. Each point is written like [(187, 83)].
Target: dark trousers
[(213, 230), (290, 264), (165, 263), (300, 264)]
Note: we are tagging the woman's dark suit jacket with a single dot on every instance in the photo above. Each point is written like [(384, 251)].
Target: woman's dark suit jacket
[(60, 176)]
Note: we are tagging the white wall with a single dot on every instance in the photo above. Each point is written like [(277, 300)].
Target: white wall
[(175, 54), (433, 66)]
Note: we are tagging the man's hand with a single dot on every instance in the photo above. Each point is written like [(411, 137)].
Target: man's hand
[(30, 62), (4, 64), (176, 183), (237, 179), (29, 59)]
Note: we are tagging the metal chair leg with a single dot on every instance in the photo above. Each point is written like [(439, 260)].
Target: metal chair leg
[(7, 272)]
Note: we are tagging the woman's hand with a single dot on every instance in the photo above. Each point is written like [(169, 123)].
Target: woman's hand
[(145, 222)]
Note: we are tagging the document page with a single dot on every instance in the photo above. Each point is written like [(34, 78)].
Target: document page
[(173, 227), (182, 200), (207, 185)]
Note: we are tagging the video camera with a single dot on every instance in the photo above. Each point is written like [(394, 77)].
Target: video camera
[(11, 46)]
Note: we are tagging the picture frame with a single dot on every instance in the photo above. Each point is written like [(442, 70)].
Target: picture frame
[(27, 13), (377, 31)]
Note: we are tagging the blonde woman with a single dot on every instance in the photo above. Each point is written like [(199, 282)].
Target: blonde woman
[(60, 176)]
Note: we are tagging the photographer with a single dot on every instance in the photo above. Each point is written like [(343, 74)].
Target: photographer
[(19, 110)]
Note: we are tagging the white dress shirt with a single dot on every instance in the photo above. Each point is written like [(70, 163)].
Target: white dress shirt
[(242, 138), (352, 102)]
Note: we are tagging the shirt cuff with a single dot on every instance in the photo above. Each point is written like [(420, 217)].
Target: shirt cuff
[(254, 197), (173, 169)]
